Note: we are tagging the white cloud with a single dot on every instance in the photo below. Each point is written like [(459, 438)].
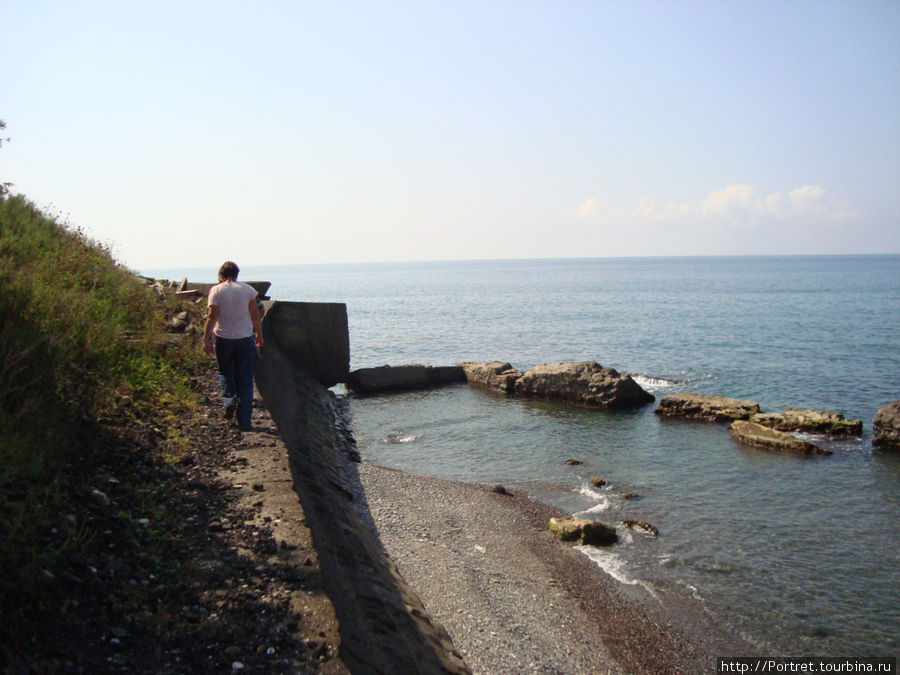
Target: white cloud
[(590, 210), (806, 194), (731, 201), (734, 204)]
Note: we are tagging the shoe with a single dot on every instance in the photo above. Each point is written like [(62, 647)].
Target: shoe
[(250, 428), (229, 410)]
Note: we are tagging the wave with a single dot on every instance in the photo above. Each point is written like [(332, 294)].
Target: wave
[(651, 382), (600, 507), (614, 566), (399, 437), (590, 493)]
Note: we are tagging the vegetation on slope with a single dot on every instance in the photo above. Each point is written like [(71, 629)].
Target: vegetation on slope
[(84, 356)]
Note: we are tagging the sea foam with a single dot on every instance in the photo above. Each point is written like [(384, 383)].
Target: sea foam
[(590, 493), (650, 382), (398, 437), (614, 566)]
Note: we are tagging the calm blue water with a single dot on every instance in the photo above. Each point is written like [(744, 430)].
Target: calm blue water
[(797, 555)]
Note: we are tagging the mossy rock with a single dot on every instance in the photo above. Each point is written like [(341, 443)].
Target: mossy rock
[(583, 531), (810, 421), (642, 525), (694, 405), (762, 436)]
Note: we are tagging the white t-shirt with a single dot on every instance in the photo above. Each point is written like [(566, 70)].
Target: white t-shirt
[(233, 299)]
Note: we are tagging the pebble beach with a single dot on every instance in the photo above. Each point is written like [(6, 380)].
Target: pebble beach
[(512, 597)]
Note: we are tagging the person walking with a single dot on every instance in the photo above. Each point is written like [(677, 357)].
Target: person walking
[(233, 334)]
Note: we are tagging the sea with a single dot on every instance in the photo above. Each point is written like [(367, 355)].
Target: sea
[(794, 555)]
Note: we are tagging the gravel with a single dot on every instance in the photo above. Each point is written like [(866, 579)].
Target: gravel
[(512, 597)]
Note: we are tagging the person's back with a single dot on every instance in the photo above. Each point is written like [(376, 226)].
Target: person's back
[(232, 298)]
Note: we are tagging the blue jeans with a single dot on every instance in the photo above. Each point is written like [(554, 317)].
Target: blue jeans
[(235, 359)]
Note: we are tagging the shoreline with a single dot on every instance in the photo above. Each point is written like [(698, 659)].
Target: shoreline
[(511, 596), (429, 575)]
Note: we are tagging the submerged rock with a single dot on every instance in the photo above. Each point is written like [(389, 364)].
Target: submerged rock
[(756, 434), (493, 375), (705, 407), (886, 427), (583, 531), (810, 421), (583, 382)]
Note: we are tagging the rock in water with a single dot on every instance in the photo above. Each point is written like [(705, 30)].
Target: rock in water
[(584, 383), (810, 421), (493, 375), (706, 407), (886, 427), (642, 525), (757, 434), (583, 531)]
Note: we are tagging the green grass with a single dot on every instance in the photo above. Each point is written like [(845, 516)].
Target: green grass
[(82, 344)]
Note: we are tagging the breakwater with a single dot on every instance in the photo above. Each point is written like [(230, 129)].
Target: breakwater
[(384, 626)]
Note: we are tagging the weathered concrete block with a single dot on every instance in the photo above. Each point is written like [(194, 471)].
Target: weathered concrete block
[(403, 378), (313, 335), (388, 378), (440, 375)]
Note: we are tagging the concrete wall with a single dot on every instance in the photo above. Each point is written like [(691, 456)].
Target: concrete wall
[(313, 336), (384, 626)]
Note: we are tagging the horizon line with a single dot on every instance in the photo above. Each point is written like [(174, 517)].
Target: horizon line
[(532, 259)]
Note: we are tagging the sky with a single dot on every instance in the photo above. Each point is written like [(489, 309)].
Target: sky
[(182, 134)]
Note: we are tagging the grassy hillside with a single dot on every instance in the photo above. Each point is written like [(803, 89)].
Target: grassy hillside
[(86, 369)]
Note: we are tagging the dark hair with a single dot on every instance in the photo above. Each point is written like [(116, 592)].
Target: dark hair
[(229, 270)]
